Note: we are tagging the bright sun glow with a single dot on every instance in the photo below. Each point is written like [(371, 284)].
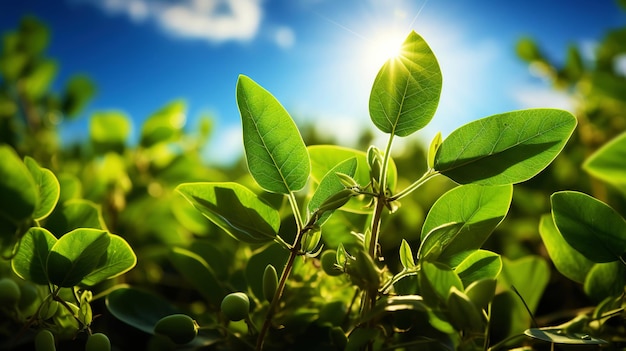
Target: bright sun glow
[(383, 46)]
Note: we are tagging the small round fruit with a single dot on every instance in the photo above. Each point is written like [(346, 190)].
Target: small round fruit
[(180, 328), (328, 260), (98, 342), (236, 306), (9, 292), (44, 341)]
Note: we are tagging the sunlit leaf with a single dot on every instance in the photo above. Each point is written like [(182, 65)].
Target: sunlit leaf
[(436, 279), (406, 90), (559, 336), (566, 259), (75, 255), (481, 292), (481, 264), (118, 259), (37, 82), (406, 255), (235, 209), (29, 262), (477, 209), (18, 190), (590, 226), (330, 185), (506, 148), (48, 187), (326, 157), (608, 164), (109, 131), (277, 157)]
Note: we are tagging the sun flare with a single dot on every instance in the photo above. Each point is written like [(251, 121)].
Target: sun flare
[(383, 46)]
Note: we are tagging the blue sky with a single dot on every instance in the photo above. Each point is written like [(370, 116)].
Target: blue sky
[(318, 57)]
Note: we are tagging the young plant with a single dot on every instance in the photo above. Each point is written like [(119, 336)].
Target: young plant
[(441, 296)]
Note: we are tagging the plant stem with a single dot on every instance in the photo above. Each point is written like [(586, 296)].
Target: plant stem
[(423, 179), (285, 274), (380, 200)]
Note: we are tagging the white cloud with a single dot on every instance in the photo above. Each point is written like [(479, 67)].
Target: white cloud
[(284, 37), (226, 146), (212, 20), (538, 96)]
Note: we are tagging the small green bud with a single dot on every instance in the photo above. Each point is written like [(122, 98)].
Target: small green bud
[(329, 263), (98, 342), (337, 200), (270, 282)]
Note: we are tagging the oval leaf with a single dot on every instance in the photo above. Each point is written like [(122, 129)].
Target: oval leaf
[(480, 264), (529, 275), (138, 308), (29, 262), (198, 273), (18, 190), (48, 186), (436, 279), (75, 255), (571, 263), (506, 148), (406, 255), (406, 90), (608, 162), (590, 226), (559, 336), (605, 280), (74, 214), (276, 154), (330, 185), (477, 209), (118, 259), (235, 209)]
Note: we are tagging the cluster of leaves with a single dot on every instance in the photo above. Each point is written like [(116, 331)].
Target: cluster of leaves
[(327, 247)]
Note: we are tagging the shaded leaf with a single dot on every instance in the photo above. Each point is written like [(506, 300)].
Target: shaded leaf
[(604, 280), (406, 90), (529, 275), (235, 209), (330, 185), (198, 273), (273, 254), (29, 262), (139, 309), (566, 259), (163, 125), (74, 214), (507, 148), (590, 226), (436, 279), (18, 191), (559, 336), (277, 157)]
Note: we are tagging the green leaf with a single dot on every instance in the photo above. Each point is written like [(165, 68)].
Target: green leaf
[(559, 336), (36, 83), (18, 191), (198, 273), (480, 264), (463, 312), (118, 259), (138, 308), (590, 226), (109, 131), (506, 148), (78, 91), (29, 262), (406, 255), (529, 275), (277, 157), (436, 241), (325, 157), (235, 209), (164, 125), (604, 280), (75, 255), (48, 186), (74, 214), (330, 185), (607, 163), (481, 292), (476, 209), (571, 263), (406, 90), (432, 149), (436, 279)]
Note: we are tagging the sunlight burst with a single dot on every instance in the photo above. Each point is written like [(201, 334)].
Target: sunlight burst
[(383, 46)]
